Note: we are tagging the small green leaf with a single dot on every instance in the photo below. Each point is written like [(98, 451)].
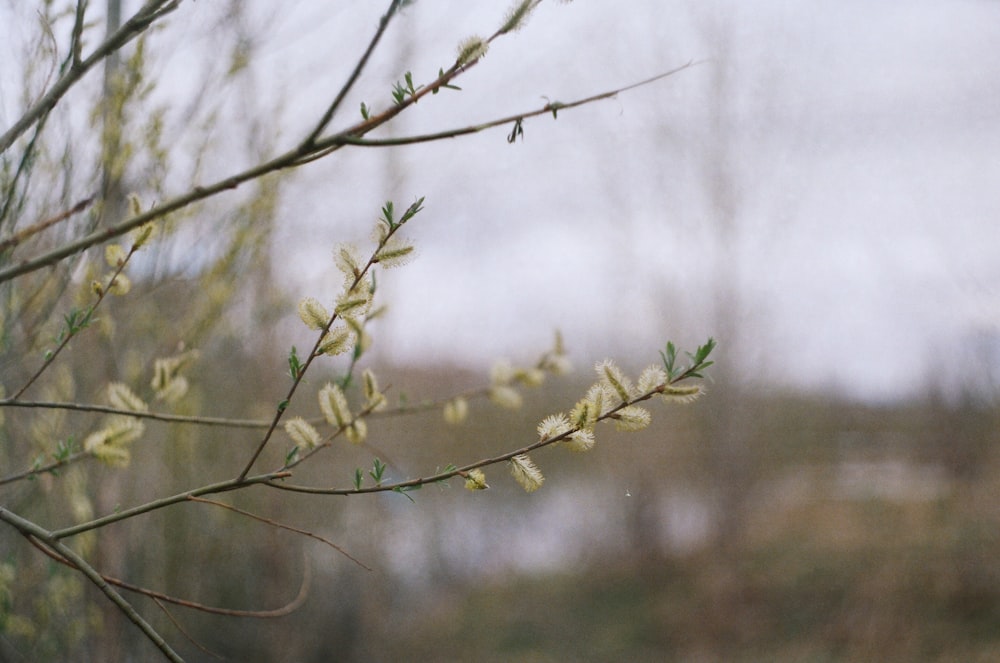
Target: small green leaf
[(403, 490), (412, 210), (365, 111), (64, 450), (359, 477), (291, 456), (445, 85), (387, 210), (669, 359), (398, 94), (448, 469), (516, 132), (377, 471), (294, 365)]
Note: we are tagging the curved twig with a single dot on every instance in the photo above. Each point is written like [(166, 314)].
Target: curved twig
[(183, 631), (274, 523), (282, 611)]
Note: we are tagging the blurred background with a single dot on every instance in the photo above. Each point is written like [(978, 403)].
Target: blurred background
[(818, 193)]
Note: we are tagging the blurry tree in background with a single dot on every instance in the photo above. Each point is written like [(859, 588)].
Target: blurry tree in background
[(138, 308)]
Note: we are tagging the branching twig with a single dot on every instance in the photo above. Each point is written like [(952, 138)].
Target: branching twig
[(30, 529), (355, 74), (293, 158), (552, 107), (315, 352), (461, 471)]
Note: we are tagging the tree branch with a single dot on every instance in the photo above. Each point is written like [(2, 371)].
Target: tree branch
[(30, 529), (211, 489), (293, 158)]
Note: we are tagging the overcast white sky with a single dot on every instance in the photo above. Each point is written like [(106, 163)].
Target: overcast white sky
[(857, 145), (861, 144)]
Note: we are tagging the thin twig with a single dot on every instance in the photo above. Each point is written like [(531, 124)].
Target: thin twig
[(314, 353), (274, 523), (76, 328), (183, 631), (42, 469), (22, 235), (155, 416), (76, 38), (552, 107), (284, 610)]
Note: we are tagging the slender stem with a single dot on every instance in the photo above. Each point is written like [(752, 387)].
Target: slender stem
[(42, 469), (77, 326), (36, 228), (155, 416)]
